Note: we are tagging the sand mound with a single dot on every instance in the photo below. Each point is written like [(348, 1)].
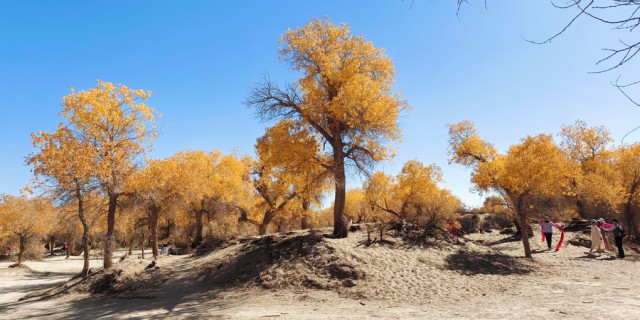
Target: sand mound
[(298, 260)]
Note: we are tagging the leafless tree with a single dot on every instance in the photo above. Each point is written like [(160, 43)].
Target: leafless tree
[(621, 15)]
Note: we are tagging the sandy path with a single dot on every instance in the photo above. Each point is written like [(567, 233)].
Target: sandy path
[(474, 281)]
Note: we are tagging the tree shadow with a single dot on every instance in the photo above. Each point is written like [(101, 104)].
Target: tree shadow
[(487, 263), (508, 239)]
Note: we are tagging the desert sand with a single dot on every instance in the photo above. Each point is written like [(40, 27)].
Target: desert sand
[(306, 276)]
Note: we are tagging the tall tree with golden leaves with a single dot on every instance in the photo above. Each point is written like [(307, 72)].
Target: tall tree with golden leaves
[(64, 166), (117, 124), (532, 170), (345, 97)]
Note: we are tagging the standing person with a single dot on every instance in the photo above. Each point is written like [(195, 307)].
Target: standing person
[(618, 234), (603, 226), (547, 229), (596, 238), (65, 247)]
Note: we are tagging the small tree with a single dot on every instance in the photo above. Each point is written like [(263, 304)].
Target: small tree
[(27, 219)]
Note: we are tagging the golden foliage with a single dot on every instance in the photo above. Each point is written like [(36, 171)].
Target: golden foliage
[(413, 195)]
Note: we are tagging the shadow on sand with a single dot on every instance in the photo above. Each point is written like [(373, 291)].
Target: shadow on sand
[(489, 263)]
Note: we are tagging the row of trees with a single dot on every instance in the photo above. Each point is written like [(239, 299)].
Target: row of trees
[(583, 175), (340, 116)]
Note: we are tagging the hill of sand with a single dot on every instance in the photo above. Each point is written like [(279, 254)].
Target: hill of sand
[(306, 275)]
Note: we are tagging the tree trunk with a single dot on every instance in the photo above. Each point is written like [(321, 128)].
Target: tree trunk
[(153, 230), (339, 222), (85, 234), (23, 241), (197, 239), (133, 235), (109, 239), (142, 240), (630, 218), (305, 222), (581, 209), (524, 229), (264, 225), (167, 233)]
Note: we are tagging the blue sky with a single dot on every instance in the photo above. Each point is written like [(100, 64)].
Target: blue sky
[(200, 58)]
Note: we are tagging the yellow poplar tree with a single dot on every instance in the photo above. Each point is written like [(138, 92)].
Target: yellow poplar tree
[(532, 170), (64, 165), (116, 122), (594, 185), (345, 98), (627, 163), (289, 166), (27, 219), (413, 195), (156, 188), (208, 183)]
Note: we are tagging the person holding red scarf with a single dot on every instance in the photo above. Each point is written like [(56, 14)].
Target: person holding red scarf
[(547, 230)]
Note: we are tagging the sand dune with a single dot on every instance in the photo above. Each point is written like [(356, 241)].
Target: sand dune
[(307, 276)]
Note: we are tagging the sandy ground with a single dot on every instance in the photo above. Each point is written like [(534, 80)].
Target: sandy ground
[(486, 278)]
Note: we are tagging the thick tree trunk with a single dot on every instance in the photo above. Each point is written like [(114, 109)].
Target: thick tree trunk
[(197, 239), (524, 230), (340, 229), (264, 225), (22, 246), (153, 230), (109, 240), (305, 222)]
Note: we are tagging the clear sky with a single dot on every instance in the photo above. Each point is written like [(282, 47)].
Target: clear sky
[(200, 58)]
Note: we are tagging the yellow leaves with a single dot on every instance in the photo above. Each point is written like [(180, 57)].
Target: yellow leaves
[(582, 143), (535, 168), (413, 194), (466, 147), (26, 217), (536, 165), (347, 81)]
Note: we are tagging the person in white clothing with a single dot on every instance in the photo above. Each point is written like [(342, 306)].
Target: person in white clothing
[(547, 228), (596, 238)]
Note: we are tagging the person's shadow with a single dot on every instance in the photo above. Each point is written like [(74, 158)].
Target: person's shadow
[(536, 251)]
